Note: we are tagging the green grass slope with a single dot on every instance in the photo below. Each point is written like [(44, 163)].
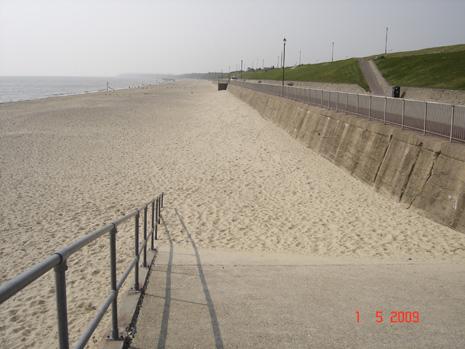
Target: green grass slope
[(431, 50), (440, 67), (344, 71)]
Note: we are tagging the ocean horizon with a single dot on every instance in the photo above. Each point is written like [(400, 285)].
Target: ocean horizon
[(23, 88)]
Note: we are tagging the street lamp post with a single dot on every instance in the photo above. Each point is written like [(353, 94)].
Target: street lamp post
[(332, 51), (284, 63), (386, 41)]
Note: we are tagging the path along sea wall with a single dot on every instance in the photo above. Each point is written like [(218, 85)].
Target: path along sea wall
[(425, 172)]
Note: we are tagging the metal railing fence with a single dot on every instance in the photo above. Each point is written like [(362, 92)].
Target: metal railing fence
[(57, 261), (441, 119)]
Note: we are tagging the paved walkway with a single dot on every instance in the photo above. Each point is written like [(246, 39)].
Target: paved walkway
[(223, 299), (375, 80)]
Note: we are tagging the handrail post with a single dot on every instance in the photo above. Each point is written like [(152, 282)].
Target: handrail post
[(153, 225), (347, 101), (424, 118), (369, 108), (384, 114), (452, 123), (337, 101), (136, 251), (62, 308), (156, 218), (403, 112), (114, 303), (321, 98), (160, 199), (144, 261)]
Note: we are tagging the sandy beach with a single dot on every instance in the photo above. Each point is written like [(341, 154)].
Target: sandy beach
[(71, 164)]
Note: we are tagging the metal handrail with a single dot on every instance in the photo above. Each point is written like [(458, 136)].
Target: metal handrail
[(57, 261), (451, 126), (303, 87)]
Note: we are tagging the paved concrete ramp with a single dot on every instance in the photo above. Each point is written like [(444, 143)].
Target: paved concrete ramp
[(200, 298), (375, 80)]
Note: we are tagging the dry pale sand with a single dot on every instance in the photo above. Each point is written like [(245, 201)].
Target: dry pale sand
[(69, 164)]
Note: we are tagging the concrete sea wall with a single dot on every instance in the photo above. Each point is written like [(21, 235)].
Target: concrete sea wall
[(425, 172)]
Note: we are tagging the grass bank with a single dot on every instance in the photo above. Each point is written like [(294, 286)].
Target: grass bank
[(339, 72), (439, 67)]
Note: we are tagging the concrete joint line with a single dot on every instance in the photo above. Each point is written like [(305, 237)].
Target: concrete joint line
[(384, 158), (404, 186), (430, 174)]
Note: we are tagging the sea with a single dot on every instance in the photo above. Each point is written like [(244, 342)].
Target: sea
[(23, 88)]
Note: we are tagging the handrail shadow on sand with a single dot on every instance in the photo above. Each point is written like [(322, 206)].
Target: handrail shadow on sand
[(166, 308), (211, 307)]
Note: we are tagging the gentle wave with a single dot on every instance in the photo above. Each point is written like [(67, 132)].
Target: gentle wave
[(13, 89)]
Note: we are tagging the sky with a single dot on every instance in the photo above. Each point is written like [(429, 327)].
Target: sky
[(111, 37)]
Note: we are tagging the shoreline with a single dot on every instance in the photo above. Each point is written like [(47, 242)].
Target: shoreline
[(80, 93), (52, 96)]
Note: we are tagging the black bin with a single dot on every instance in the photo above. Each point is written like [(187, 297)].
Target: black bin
[(396, 91), (222, 86)]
